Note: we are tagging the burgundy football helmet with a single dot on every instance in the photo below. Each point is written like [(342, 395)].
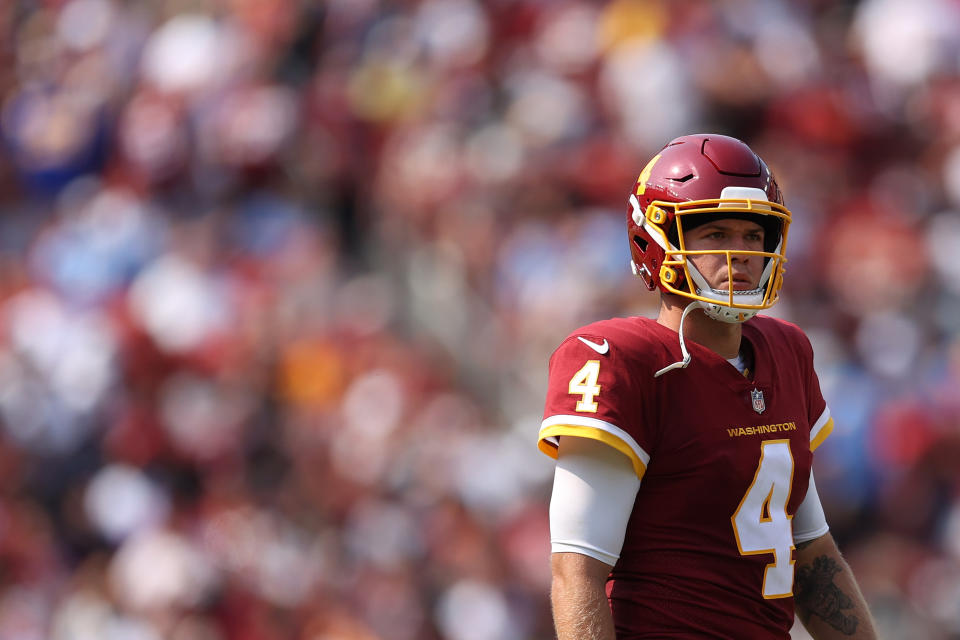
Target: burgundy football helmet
[(692, 179)]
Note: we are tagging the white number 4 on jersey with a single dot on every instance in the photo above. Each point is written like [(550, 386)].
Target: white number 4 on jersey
[(584, 384), (761, 523)]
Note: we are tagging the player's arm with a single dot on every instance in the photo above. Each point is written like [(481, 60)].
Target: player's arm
[(579, 599), (826, 594), (593, 493)]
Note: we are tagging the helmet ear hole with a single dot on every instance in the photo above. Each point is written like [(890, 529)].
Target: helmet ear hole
[(641, 243)]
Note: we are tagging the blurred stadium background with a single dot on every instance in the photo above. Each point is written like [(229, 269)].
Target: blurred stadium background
[(279, 280)]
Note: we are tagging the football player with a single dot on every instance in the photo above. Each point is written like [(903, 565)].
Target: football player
[(684, 503)]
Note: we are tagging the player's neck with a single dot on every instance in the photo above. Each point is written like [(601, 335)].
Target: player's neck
[(723, 338)]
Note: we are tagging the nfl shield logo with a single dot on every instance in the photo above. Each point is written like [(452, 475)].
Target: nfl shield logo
[(756, 397)]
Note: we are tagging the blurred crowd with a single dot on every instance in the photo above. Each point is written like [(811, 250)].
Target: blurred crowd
[(279, 280)]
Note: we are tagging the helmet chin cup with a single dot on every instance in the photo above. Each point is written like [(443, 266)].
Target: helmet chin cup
[(715, 308), (724, 313)]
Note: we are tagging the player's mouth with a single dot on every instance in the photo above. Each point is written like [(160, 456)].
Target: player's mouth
[(740, 283)]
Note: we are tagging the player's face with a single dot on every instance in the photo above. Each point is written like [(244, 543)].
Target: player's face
[(728, 235)]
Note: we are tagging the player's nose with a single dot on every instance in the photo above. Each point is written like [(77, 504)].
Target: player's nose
[(740, 243)]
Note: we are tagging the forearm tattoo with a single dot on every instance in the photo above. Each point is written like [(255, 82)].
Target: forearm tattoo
[(818, 595)]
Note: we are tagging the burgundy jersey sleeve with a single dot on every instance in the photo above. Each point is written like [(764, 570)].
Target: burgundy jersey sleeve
[(591, 394), (818, 413)]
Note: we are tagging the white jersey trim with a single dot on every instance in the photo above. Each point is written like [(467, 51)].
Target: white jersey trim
[(821, 429), (594, 423), (820, 423)]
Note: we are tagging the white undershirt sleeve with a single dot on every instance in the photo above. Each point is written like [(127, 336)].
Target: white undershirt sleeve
[(594, 488), (809, 521)]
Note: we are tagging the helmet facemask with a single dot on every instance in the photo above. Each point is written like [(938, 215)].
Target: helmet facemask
[(667, 223)]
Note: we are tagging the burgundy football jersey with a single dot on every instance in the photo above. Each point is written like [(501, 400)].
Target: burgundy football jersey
[(724, 461)]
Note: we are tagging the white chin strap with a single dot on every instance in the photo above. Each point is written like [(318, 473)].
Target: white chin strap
[(682, 364)]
